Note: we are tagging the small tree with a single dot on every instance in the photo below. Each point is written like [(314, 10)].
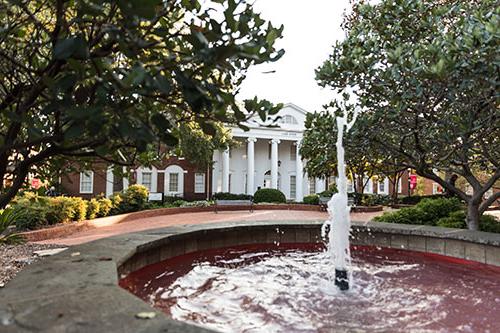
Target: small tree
[(426, 74)]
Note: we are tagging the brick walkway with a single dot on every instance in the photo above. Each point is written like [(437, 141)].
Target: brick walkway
[(195, 218)]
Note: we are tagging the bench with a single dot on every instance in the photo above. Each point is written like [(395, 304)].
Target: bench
[(323, 203), (228, 203)]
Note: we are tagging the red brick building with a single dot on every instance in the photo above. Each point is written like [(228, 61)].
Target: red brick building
[(173, 177)]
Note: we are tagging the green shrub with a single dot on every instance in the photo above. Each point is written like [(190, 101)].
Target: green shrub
[(312, 199), (426, 212), (92, 208), (269, 195), (171, 199), (415, 199), (435, 209), (327, 194), (135, 198), (30, 217), (230, 196), (454, 220), (79, 207), (7, 221), (60, 210), (116, 201), (375, 199), (178, 203), (105, 206), (489, 223)]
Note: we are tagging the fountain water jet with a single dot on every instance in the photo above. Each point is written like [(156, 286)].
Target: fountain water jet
[(338, 209)]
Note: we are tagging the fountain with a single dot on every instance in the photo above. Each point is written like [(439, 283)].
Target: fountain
[(268, 278), (338, 209)]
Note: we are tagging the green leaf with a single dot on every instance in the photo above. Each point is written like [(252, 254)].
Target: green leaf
[(73, 47)]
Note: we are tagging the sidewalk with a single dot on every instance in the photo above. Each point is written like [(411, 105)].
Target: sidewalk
[(196, 218)]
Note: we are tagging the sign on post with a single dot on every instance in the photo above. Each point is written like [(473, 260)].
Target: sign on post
[(155, 196)]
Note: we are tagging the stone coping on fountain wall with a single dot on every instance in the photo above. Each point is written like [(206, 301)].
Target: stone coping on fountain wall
[(77, 290)]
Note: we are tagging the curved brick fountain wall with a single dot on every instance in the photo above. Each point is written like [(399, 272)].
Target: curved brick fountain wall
[(77, 290)]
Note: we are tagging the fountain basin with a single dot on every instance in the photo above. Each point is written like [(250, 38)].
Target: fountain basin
[(78, 289)]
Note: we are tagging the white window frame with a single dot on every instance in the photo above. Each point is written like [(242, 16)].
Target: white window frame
[(289, 119), (170, 174), (312, 185), (150, 185), (293, 187), (350, 186), (384, 183), (89, 173), (400, 185), (199, 187), (174, 169)]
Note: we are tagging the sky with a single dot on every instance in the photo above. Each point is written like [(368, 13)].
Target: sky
[(311, 29)]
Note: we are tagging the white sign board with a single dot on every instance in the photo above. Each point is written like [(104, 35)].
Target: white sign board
[(155, 196)]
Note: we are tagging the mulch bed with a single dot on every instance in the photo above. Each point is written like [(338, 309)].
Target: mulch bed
[(13, 258)]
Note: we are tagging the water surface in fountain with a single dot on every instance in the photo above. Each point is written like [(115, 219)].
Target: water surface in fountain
[(289, 289)]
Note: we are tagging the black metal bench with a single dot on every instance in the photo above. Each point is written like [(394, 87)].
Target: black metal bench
[(228, 203)]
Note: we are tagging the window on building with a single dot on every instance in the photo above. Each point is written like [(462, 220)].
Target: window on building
[(147, 180), (381, 186), (288, 119), (269, 148), (293, 187), (293, 152), (350, 186), (368, 185), (86, 182), (199, 182), (312, 185), (173, 182), (436, 188), (400, 186), (229, 184)]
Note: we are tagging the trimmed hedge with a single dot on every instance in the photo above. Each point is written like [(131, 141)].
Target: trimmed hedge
[(269, 195), (230, 196), (312, 199)]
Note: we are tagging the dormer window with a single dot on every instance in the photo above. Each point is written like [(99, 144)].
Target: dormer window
[(288, 119)]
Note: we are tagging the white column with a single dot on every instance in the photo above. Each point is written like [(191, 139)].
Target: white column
[(109, 181), (215, 172), (154, 179), (274, 163), (225, 170), (125, 180), (299, 172), (251, 166)]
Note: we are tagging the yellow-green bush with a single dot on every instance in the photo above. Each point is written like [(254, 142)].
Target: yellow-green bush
[(105, 206), (92, 209)]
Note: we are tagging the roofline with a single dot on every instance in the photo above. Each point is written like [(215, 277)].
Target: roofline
[(296, 107)]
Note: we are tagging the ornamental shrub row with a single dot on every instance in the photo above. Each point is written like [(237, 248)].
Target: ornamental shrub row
[(443, 212), (34, 211)]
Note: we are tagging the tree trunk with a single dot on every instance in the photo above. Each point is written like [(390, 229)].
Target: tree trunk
[(473, 215)]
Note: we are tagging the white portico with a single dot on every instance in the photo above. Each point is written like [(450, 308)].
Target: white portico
[(266, 158)]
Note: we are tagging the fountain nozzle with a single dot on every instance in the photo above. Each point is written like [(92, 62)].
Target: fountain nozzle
[(341, 279)]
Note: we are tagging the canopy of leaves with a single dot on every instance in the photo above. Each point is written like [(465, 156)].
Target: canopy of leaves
[(108, 78), (426, 74)]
